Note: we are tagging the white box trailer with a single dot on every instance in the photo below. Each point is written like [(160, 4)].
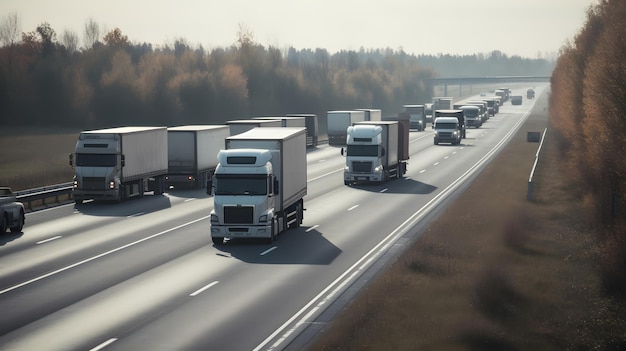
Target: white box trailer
[(372, 114), (192, 153), (312, 127), (118, 163), (287, 121), (259, 184), (338, 123), (239, 126)]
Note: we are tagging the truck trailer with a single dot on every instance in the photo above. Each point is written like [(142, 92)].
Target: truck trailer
[(119, 163), (372, 114), (312, 127), (417, 117), (239, 126), (338, 123), (259, 184), (375, 152), (192, 154)]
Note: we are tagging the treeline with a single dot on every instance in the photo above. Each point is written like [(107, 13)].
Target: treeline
[(47, 81), (588, 110), (495, 63)]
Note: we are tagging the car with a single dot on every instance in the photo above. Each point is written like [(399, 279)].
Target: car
[(11, 212)]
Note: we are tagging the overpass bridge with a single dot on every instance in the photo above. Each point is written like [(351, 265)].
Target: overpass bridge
[(461, 81)]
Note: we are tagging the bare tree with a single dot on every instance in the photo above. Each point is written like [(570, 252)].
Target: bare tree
[(69, 39), (9, 30), (92, 33)]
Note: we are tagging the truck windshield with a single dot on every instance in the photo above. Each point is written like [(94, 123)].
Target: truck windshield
[(445, 126), (240, 184), (470, 113), (363, 150), (96, 160)]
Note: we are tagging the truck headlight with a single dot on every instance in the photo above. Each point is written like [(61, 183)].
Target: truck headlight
[(214, 218), (111, 185), (75, 184), (263, 218), (378, 168)]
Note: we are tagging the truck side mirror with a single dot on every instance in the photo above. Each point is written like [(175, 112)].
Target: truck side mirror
[(342, 152), (209, 186), (382, 151), (71, 157), (276, 192), (123, 161)]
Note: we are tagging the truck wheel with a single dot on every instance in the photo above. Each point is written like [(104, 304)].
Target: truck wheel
[(3, 224), (345, 182), (436, 142), (217, 240), (78, 202), (20, 223)]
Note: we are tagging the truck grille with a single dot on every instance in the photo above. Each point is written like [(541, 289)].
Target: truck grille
[(361, 167), (445, 135), (93, 183), (238, 215)]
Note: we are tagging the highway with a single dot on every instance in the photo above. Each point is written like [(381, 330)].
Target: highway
[(144, 274)]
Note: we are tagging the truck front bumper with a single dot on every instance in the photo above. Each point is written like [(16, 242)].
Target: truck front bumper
[(241, 231), (362, 177), (110, 194)]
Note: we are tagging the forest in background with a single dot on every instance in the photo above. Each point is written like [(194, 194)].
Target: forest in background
[(587, 114), (50, 80)]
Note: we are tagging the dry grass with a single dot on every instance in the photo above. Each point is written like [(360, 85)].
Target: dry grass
[(510, 275), (33, 157)]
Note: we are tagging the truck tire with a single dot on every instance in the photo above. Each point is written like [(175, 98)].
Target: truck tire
[(78, 202), (217, 240), (3, 224), (20, 223)]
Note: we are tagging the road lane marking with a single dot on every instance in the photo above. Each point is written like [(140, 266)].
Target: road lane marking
[(189, 200), (320, 161), (47, 240), (312, 228), (436, 164), (104, 344), (353, 207), (446, 157), (199, 291), (136, 215), (268, 250), (384, 190), (87, 260), (422, 171)]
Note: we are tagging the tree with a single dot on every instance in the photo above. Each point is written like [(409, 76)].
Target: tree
[(48, 38), (9, 30), (92, 33), (115, 38), (69, 40)]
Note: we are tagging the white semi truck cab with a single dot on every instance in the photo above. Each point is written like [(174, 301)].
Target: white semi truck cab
[(447, 130), (244, 192)]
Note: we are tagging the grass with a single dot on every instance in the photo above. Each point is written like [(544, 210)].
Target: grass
[(508, 275), (34, 157)]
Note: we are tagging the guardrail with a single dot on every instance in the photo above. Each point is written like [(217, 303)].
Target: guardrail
[(529, 194), (27, 197)]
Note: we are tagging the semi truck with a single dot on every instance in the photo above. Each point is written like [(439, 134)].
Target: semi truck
[(119, 163), (287, 121), (442, 132), (238, 126), (338, 123), (312, 127), (259, 184), (11, 212), (372, 114), (374, 152), (417, 115), (192, 154), (472, 115)]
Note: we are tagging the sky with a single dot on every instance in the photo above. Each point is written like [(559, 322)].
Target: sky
[(528, 28)]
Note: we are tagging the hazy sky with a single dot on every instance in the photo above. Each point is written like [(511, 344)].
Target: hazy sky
[(515, 27)]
